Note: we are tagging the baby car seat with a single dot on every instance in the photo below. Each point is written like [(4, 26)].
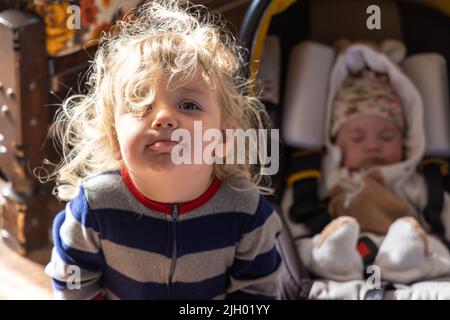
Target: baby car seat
[(291, 49)]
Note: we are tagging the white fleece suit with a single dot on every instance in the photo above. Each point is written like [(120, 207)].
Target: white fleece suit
[(402, 255)]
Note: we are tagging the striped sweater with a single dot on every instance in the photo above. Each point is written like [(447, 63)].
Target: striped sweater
[(122, 245)]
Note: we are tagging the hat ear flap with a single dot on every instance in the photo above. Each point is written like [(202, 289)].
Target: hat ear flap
[(342, 44), (394, 50)]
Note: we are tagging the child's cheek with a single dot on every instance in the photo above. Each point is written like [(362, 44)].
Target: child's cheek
[(129, 137), (133, 141)]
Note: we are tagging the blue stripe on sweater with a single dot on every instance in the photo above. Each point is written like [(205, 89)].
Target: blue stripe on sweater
[(261, 266), (127, 288), (210, 232), (133, 230), (59, 285), (146, 233), (264, 209), (80, 211)]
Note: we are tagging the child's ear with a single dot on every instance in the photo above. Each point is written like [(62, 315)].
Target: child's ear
[(114, 142), (117, 155)]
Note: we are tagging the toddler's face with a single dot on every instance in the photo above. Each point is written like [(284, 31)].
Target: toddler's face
[(145, 144), (369, 141)]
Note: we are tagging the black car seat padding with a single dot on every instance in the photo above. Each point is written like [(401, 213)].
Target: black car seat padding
[(331, 20)]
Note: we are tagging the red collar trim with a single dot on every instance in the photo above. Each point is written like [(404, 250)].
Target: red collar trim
[(167, 207)]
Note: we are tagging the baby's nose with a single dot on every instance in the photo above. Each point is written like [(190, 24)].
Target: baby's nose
[(373, 144)]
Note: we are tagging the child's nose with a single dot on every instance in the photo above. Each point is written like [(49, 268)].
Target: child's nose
[(164, 120)]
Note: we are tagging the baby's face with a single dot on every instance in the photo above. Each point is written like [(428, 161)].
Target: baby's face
[(145, 144), (369, 141)]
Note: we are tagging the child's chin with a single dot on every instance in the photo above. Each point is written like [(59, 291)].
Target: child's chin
[(162, 162)]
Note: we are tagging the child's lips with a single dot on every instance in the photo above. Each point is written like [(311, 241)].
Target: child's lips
[(162, 145)]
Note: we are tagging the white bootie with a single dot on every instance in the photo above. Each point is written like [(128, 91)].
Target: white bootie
[(334, 253), (408, 254)]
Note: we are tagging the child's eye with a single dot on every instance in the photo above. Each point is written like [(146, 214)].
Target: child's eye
[(188, 105)]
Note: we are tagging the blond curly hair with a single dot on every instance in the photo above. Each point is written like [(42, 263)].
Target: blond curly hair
[(164, 38)]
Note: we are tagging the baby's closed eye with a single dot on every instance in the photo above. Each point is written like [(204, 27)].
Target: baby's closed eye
[(388, 135), (357, 136)]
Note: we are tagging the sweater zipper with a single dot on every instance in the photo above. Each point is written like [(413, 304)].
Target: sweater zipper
[(174, 243)]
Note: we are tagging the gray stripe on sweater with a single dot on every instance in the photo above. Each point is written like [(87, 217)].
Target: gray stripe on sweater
[(146, 266), (243, 201), (61, 271), (260, 240), (204, 265), (136, 264), (77, 236), (110, 191)]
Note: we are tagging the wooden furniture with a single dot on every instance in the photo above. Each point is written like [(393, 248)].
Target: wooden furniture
[(24, 120)]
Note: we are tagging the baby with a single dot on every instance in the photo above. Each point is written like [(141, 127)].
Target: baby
[(371, 132), (137, 225)]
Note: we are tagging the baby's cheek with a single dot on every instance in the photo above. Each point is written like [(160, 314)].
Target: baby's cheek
[(395, 154), (352, 156)]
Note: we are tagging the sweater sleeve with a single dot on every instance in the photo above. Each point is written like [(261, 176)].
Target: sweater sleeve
[(77, 260), (255, 270)]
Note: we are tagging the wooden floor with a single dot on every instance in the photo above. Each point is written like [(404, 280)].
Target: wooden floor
[(24, 278)]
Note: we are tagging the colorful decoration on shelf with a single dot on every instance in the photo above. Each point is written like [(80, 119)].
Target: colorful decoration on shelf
[(94, 17)]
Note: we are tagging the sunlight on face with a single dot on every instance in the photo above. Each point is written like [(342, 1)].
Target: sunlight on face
[(145, 143)]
